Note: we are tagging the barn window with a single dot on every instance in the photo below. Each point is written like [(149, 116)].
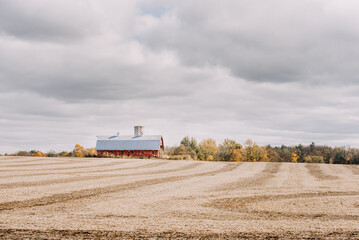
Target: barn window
[(143, 152), (132, 152), (153, 152), (121, 152)]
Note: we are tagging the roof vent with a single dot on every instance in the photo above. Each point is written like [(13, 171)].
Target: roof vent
[(139, 130), (118, 133)]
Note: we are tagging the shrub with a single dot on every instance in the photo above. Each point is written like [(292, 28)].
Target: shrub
[(317, 159), (39, 154), (51, 153), (22, 153), (308, 159), (209, 158)]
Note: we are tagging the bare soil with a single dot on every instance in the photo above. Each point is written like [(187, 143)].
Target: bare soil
[(69, 198)]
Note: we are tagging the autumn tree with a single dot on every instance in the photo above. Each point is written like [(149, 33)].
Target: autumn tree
[(317, 159), (190, 143), (92, 152), (64, 154), (191, 147), (254, 153), (22, 153), (182, 150), (273, 155), (294, 156), (38, 154), (284, 153), (308, 159), (208, 147), (79, 151), (229, 150)]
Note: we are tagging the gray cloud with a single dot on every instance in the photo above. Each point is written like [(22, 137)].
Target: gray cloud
[(275, 41), (51, 21), (279, 72)]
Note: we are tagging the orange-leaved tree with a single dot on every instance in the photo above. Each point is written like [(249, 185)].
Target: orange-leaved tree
[(39, 154)]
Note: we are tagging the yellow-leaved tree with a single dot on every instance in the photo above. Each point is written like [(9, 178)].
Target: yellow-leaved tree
[(208, 147), (79, 151), (294, 156), (92, 152), (254, 153)]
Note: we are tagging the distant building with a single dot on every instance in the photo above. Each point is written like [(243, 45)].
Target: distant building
[(134, 146)]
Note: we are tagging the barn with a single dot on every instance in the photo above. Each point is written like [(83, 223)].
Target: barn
[(138, 145)]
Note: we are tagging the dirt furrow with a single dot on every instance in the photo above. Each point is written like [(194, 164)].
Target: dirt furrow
[(28, 160), (241, 204), (9, 158), (143, 234), (241, 201), (317, 172), (88, 193), (44, 164), (272, 215), (60, 168), (260, 179), (354, 169), (84, 178)]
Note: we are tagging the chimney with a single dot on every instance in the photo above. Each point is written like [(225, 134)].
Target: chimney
[(139, 130), (118, 133)]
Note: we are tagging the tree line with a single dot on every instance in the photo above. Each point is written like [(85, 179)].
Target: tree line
[(230, 150), (78, 151)]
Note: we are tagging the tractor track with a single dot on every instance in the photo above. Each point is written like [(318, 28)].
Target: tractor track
[(43, 164), (315, 170), (97, 177), (354, 169), (32, 234), (110, 164), (32, 159), (94, 192), (241, 204), (259, 179)]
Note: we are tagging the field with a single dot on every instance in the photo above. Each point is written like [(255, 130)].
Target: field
[(84, 198)]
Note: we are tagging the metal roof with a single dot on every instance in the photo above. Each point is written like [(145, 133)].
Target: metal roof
[(148, 142)]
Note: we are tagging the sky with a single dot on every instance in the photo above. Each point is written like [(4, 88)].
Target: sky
[(276, 71)]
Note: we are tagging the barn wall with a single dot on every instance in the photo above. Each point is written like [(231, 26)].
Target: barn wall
[(129, 153)]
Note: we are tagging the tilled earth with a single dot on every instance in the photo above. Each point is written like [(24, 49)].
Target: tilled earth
[(71, 198)]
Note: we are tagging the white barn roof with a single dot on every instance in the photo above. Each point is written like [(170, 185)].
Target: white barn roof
[(148, 142)]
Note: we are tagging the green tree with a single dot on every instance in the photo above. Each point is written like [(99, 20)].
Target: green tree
[(299, 152), (339, 158)]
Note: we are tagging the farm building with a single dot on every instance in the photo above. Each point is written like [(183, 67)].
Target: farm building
[(137, 145)]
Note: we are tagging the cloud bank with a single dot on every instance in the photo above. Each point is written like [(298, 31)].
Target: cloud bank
[(279, 72)]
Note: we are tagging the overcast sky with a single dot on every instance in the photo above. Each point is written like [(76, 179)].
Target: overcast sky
[(279, 72)]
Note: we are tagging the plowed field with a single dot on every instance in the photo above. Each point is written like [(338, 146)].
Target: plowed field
[(51, 198)]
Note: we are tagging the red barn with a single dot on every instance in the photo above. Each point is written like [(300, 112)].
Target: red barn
[(133, 146)]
